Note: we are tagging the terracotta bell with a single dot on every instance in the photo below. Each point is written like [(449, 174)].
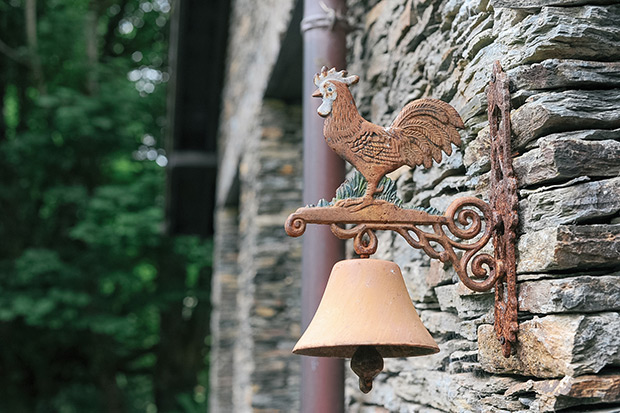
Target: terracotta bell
[(366, 314)]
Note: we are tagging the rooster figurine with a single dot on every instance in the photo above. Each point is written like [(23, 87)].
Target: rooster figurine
[(418, 135)]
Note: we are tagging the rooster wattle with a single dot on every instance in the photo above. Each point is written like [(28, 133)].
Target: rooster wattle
[(420, 133)]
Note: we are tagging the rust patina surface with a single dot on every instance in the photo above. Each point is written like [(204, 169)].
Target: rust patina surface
[(460, 228), (420, 133), (423, 130), (504, 202)]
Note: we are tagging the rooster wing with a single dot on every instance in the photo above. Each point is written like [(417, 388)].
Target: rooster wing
[(375, 145), (425, 128)]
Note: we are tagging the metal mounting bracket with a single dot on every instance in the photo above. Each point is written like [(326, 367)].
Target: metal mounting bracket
[(467, 225)]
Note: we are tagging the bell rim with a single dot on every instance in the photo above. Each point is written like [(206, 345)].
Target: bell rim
[(344, 351)]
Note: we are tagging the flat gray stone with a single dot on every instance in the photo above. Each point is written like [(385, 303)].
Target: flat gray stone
[(446, 323), (558, 73), (552, 112), (566, 156), (570, 205), (537, 4), (583, 294), (555, 346), (419, 290), (588, 33), (569, 247), (554, 395), (467, 304), (449, 392)]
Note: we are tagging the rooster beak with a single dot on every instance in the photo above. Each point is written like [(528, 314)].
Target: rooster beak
[(317, 94)]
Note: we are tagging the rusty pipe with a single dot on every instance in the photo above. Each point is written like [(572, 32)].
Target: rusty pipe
[(324, 43)]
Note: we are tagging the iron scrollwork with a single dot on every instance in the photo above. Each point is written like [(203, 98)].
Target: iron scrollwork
[(460, 228)]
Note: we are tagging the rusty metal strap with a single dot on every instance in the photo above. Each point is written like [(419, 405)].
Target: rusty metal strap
[(504, 202)]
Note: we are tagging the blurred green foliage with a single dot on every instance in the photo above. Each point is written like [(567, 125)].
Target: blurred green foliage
[(100, 311)]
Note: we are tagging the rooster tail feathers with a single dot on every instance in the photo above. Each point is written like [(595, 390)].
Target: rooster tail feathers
[(425, 128), (435, 108)]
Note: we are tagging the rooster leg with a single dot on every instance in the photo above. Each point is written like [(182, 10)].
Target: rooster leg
[(356, 204), (362, 203), (367, 199), (348, 203)]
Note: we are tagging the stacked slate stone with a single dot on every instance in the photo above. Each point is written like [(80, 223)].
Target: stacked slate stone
[(269, 278), (257, 268), (563, 60), (257, 278), (224, 318)]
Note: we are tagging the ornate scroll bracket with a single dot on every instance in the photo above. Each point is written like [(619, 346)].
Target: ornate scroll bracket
[(459, 235), (460, 228)]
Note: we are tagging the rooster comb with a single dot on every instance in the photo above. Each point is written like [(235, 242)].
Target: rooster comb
[(331, 74)]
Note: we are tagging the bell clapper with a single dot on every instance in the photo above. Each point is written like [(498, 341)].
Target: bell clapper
[(367, 363)]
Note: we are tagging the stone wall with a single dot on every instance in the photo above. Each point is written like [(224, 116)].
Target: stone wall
[(267, 376), (257, 282), (224, 318), (563, 59)]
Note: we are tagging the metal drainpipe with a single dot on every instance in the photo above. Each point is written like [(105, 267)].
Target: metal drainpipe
[(324, 42)]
